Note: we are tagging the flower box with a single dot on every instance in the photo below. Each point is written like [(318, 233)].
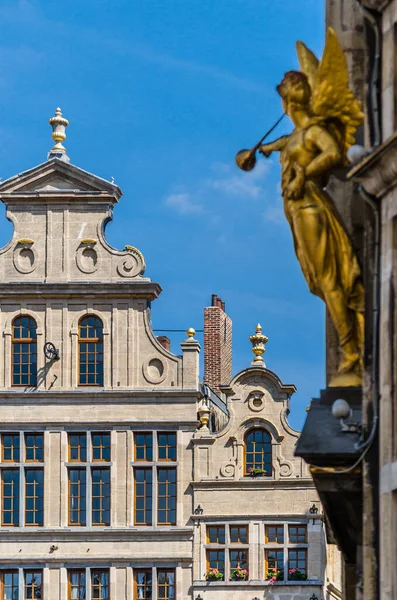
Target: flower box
[(239, 575), (296, 575), (214, 575)]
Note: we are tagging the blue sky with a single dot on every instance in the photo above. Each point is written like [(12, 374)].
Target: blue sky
[(160, 94)]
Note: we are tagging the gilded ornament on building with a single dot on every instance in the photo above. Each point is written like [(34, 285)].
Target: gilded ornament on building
[(325, 114)]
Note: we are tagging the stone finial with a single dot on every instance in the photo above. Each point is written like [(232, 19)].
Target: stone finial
[(58, 124), (258, 341), (204, 415)]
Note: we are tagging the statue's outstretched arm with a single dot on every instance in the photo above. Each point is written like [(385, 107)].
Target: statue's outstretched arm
[(330, 155), (275, 146)]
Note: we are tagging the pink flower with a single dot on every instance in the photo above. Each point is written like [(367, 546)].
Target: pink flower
[(272, 580)]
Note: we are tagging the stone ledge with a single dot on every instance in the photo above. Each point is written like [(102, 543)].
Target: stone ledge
[(377, 172)]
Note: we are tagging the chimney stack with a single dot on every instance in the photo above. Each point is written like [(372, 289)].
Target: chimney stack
[(217, 344), (165, 342)]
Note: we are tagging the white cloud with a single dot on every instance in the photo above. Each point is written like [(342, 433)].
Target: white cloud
[(275, 212), (239, 183), (182, 202)]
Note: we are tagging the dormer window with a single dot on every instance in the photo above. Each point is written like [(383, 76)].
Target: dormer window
[(258, 453), (91, 351), (24, 352)]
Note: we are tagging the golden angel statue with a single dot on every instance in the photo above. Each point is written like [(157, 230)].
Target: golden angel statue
[(325, 114)]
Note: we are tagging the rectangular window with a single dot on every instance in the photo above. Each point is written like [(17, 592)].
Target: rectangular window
[(10, 447), (34, 447), (166, 584), (10, 497), (166, 496), (34, 492), (100, 479), (238, 559), (101, 447), (76, 585), (216, 560), (143, 584), (100, 585), (143, 496), (9, 584), (238, 534), (215, 534), (274, 534), (297, 561), (297, 534), (77, 447), (166, 446), (77, 497), (143, 446), (33, 585), (274, 564)]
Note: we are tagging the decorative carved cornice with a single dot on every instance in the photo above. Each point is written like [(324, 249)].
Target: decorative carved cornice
[(377, 172)]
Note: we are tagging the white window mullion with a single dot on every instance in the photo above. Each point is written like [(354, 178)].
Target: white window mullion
[(88, 494), (286, 551), (154, 583), (154, 496), (154, 478), (21, 584), (21, 480), (88, 583)]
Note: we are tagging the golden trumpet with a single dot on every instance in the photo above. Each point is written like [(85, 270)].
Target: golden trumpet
[(246, 159)]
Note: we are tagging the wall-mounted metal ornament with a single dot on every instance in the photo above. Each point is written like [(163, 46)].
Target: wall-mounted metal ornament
[(50, 352)]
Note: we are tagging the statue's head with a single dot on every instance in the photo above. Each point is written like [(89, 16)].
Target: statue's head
[(294, 90)]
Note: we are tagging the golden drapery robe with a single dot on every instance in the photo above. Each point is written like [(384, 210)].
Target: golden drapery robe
[(322, 244)]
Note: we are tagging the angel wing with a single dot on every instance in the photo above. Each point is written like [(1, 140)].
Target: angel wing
[(308, 63), (331, 95)]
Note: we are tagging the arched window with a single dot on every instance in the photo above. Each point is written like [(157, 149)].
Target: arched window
[(258, 452), (90, 351), (24, 351)]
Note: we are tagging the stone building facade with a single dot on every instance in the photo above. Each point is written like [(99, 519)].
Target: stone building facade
[(361, 502), (112, 484)]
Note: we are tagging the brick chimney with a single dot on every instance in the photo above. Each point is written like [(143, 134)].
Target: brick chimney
[(217, 344), (165, 342)]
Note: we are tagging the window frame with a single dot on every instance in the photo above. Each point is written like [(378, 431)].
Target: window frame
[(31, 341), (79, 497), (167, 483), (3, 586), (147, 484), (102, 572), (165, 585), (94, 340), (14, 449), (254, 453), (35, 511), (227, 546), (146, 572), (30, 571), (155, 465), (17, 485), (35, 447), (146, 447), (79, 447), (297, 550), (102, 497), (286, 546), (102, 447), (300, 526), (80, 572)]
